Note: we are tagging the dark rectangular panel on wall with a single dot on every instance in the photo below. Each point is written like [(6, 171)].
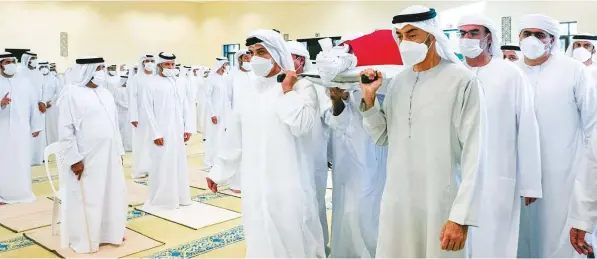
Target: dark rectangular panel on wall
[(313, 45)]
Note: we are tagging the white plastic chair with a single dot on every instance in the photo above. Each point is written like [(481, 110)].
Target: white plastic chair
[(54, 148)]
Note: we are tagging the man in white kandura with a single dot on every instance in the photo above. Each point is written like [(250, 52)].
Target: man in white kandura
[(142, 140), (168, 110), (433, 121), (121, 97), (582, 48), (28, 69), (358, 176), (268, 141), (320, 134), (511, 52), (49, 95), (513, 155), (565, 104), (94, 206), (239, 80), (218, 103), (19, 121), (201, 100)]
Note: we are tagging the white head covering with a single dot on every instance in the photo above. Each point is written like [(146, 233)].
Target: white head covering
[(276, 46), (299, 49), (237, 55), (7, 55), (442, 43), (84, 69), (141, 71), (164, 57), (496, 34), (26, 57), (543, 22), (570, 48), (219, 63)]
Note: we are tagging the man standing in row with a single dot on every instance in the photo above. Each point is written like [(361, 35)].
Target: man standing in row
[(29, 70), (218, 103), (513, 152), (168, 114), (19, 121), (142, 140), (94, 206), (566, 104), (433, 121)]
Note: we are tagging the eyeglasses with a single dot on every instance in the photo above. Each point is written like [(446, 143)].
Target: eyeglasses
[(539, 35)]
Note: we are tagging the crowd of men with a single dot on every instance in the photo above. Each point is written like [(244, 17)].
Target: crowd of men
[(490, 156)]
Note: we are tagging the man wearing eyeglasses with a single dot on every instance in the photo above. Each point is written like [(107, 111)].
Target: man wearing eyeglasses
[(513, 154), (565, 103)]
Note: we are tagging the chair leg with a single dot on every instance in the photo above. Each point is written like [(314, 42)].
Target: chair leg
[(55, 213)]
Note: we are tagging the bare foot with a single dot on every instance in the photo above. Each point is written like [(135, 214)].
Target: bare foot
[(2, 203), (123, 239), (235, 191)]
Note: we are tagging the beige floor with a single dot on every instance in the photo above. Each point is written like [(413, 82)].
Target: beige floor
[(224, 240)]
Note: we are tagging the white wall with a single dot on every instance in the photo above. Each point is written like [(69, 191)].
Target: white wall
[(196, 31)]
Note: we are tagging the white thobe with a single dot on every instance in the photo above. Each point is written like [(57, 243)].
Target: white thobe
[(238, 84), (142, 141), (358, 176), (433, 122), (565, 104), (121, 98), (52, 91), (218, 105), (167, 110), (18, 121), (190, 94), (38, 143), (93, 209), (201, 105), (268, 141), (320, 136), (513, 159)]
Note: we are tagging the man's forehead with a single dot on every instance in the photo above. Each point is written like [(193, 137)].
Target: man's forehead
[(509, 52), (169, 62), (408, 29), (534, 30), (470, 27), (256, 47)]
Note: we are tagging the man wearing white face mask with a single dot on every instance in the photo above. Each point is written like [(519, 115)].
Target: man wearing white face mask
[(18, 122), (29, 70), (94, 205), (121, 98), (433, 121), (565, 104), (268, 143), (513, 153), (142, 139), (168, 113), (113, 79), (238, 81), (49, 93), (582, 48), (219, 105)]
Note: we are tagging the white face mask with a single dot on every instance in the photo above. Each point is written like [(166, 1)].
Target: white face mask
[(246, 66), (10, 69), (581, 54), (169, 72), (413, 53), (98, 78), (112, 73), (176, 72), (149, 66), (533, 48), (123, 81), (45, 71), (34, 63), (54, 73), (261, 66), (470, 48)]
